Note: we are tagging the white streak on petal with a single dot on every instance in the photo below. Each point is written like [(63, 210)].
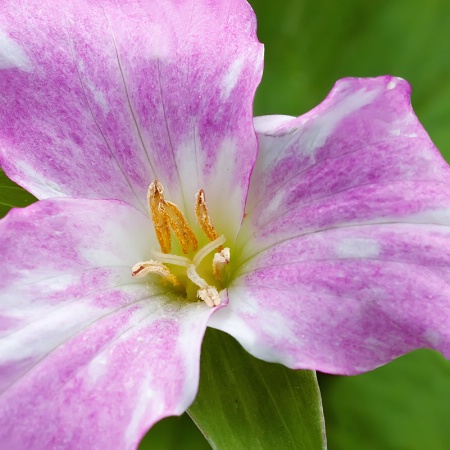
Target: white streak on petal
[(357, 248), (224, 170), (391, 85), (231, 77), (439, 216), (159, 48), (238, 326), (432, 337), (267, 124), (394, 82), (98, 95), (272, 207), (46, 185), (12, 55), (146, 396), (96, 92), (317, 135), (97, 367), (38, 338), (189, 157)]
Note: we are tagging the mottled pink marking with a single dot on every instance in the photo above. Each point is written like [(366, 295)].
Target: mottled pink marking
[(342, 250), (128, 92), (90, 357)]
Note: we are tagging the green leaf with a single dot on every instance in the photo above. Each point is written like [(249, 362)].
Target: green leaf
[(246, 403), (403, 405), (174, 433), (12, 195)]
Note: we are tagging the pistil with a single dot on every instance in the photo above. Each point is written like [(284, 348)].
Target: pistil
[(207, 249)]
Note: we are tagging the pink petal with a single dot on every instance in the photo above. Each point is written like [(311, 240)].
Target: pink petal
[(343, 254), (99, 98), (89, 357), (360, 156)]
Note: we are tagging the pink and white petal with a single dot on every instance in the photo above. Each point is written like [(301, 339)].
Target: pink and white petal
[(342, 252), (84, 347), (344, 300), (361, 156), (126, 92)]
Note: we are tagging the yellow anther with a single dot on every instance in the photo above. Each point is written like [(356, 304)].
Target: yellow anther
[(141, 269), (166, 215), (160, 219), (180, 227), (201, 211)]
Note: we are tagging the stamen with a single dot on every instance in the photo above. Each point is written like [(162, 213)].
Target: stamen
[(155, 197), (201, 211), (180, 227), (166, 215), (168, 218), (171, 259), (141, 269), (220, 260), (206, 292), (208, 248)]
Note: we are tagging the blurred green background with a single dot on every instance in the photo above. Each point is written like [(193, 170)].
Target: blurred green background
[(309, 45)]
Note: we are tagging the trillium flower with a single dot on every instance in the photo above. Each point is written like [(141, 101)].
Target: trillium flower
[(319, 242)]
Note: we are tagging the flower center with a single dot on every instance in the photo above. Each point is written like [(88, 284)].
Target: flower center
[(201, 272)]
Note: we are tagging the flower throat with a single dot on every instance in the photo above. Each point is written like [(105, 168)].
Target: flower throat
[(183, 270)]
